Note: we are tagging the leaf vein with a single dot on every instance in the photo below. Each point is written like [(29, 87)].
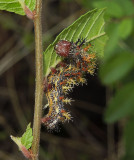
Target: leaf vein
[(94, 22)]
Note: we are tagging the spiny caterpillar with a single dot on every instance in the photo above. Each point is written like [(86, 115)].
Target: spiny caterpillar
[(64, 77)]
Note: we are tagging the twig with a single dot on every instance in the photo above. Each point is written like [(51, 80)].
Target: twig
[(39, 79), (8, 62)]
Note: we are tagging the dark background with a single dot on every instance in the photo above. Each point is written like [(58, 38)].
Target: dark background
[(86, 137)]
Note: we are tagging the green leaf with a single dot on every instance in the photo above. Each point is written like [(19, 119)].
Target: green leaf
[(121, 105), (17, 140), (99, 45), (129, 139), (116, 68), (125, 28), (113, 34), (127, 6), (127, 157), (89, 26), (113, 8), (27, 137), (17, 5), (24, 142)]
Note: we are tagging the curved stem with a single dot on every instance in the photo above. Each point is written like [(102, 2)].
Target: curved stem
[(39, 79)]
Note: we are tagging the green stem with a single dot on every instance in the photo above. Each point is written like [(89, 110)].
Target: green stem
[(39, 80)]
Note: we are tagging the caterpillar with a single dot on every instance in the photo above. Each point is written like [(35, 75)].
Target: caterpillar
[(63, 78)]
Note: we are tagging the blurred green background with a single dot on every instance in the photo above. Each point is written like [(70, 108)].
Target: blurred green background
[(103, 111)]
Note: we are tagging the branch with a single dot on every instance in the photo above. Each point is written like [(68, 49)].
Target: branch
[(39, 79)]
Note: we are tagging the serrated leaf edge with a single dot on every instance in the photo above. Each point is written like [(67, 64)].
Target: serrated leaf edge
[(68, 28)]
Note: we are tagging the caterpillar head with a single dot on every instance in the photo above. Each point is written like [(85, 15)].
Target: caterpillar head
[(63, 47)]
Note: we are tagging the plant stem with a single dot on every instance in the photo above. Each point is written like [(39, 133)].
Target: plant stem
[(39, 79)]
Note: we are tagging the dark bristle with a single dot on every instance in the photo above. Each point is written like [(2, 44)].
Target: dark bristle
[(63, 78)]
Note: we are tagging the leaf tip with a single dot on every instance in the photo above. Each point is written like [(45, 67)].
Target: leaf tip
[(17, 140)]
